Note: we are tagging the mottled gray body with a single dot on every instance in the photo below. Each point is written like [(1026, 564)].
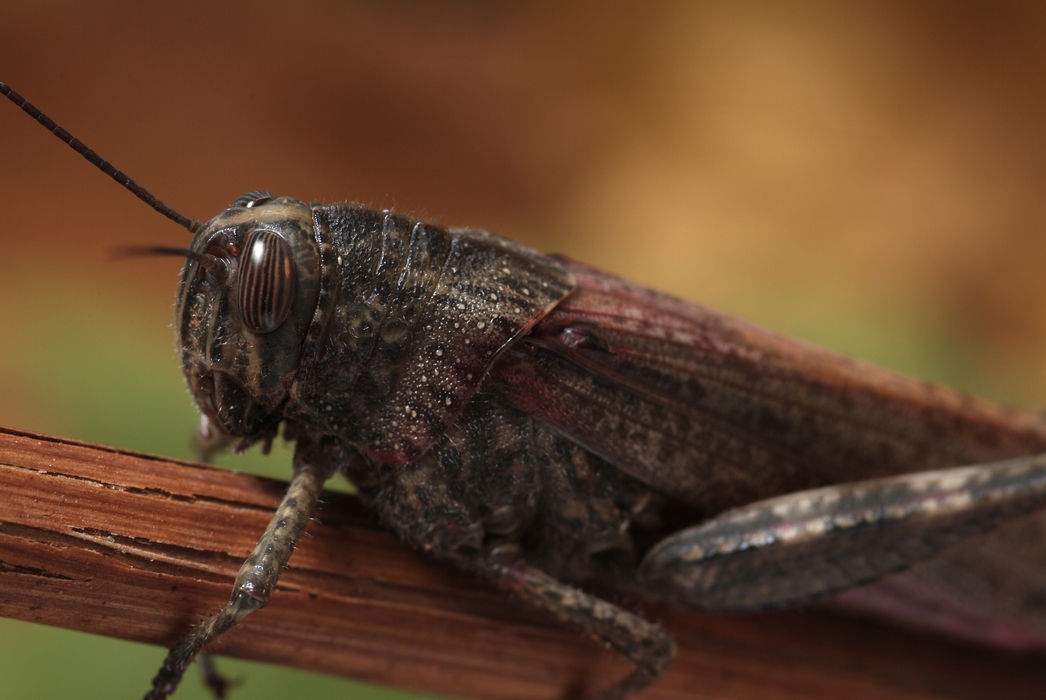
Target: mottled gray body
[(543, 424), (377, 370)]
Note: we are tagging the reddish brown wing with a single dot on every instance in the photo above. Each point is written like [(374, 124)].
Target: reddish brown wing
[(717, 413)]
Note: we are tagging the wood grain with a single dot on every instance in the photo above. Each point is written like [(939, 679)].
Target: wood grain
[(142, 547)]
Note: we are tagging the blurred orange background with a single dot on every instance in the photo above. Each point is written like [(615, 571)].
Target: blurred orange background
[(868, 176)]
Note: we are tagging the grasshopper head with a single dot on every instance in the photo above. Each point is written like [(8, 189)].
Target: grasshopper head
[(245, 303)]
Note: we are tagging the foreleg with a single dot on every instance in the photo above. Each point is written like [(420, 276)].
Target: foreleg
[(256, 578)]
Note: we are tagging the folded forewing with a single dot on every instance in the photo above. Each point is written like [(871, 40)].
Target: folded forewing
[(717, 413)]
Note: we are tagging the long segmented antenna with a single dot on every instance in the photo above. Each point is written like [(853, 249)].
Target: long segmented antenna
[(210, 262), (105, 166)]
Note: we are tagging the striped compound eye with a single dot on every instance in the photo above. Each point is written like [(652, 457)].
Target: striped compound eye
[(266, 281)]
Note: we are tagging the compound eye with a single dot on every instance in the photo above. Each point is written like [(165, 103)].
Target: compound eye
[(266, 281), (253, 199)]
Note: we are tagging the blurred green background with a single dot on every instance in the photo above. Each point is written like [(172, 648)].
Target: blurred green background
[(867, 176)]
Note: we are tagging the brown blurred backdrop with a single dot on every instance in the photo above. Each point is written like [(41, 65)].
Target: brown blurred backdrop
[(869, 176)]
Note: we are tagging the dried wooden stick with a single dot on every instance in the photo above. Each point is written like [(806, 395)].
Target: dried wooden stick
[(141, 548)]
